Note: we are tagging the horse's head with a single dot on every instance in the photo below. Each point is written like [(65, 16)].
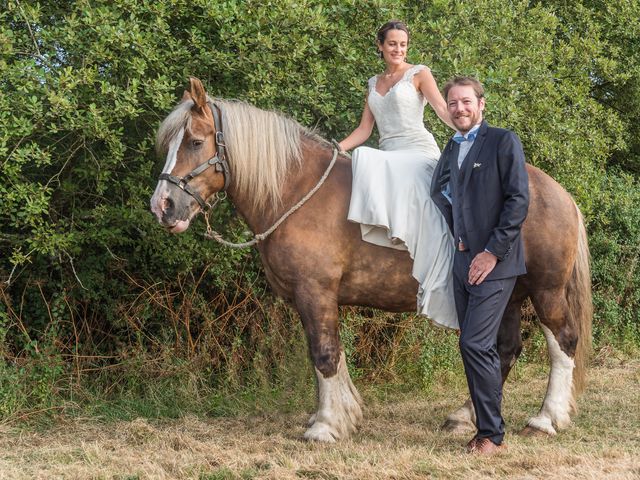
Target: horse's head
[(196, 166)]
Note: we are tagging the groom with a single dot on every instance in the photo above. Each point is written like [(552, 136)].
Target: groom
[(481, 186)]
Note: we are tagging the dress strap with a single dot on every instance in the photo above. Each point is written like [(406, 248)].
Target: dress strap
[(372, 83), (409, 74)]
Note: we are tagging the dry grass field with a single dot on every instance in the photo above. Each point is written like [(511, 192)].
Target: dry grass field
[(400, 439)]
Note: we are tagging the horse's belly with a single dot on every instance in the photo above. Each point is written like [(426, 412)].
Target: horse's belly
[(382, 280)]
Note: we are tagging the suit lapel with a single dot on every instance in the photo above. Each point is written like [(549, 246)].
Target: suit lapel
[(453, 167), (449, 154), (472, 156), (453, 149)]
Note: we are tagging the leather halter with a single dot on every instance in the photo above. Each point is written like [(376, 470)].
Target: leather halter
[(218, 161)]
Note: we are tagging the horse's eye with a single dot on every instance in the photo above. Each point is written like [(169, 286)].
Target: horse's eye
[(196, 143)]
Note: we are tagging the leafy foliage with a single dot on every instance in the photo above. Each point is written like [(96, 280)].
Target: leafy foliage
[(92, 280)]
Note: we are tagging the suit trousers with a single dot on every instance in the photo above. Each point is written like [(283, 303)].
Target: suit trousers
[(480, 309)]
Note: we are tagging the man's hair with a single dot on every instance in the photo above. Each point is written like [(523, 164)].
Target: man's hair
[(465, 81)]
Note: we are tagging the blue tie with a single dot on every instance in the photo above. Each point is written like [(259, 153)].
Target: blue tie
[(471, 136)]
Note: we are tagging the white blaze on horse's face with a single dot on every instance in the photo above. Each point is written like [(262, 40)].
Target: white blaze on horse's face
[(160, 201), (172, 154)]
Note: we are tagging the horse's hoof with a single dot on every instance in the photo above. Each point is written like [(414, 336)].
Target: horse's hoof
[(321, 432), (539, 425), (456, 426), (530, 431)]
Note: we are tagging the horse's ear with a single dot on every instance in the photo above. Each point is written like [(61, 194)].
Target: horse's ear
[(185, 96), (198, 94)]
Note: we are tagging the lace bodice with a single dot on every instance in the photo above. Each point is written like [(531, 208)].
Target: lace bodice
[(399, 115)]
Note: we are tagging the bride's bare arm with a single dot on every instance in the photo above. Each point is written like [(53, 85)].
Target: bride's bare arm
[(429, 88), (362, 132)]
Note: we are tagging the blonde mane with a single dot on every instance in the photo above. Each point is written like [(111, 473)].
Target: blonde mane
[(262, 147)]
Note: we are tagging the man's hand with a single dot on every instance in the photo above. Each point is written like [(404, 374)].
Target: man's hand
[(481, 266)]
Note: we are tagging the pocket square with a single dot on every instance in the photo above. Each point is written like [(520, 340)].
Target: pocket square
[(476, 165)]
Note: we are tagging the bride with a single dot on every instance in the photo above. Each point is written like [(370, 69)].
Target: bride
[(390, 198)]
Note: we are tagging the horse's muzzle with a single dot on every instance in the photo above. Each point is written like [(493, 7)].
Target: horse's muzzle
[(167, 212)]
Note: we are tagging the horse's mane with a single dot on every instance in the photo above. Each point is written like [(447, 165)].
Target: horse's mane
[(262, 146)]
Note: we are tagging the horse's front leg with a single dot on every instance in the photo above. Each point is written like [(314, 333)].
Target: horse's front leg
[(339, 411)]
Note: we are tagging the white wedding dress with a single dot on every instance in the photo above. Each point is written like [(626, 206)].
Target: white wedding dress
[(391, 195)]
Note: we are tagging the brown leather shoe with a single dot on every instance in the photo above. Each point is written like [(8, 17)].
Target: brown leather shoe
[(484, 446), (472, 444)]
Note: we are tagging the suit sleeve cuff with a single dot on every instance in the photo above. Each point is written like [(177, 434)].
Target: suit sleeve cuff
[(494, 254)]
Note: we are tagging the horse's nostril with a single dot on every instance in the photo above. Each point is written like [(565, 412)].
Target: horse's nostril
[(166, 204)]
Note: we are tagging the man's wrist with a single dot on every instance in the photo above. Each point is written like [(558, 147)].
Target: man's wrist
[(490, 252)]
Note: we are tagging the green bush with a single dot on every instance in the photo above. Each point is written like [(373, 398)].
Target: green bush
[(615, 250)]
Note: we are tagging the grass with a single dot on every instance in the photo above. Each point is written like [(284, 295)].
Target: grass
[(399, 439)]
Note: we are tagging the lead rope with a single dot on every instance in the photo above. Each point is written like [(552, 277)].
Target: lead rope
[(258, 237)]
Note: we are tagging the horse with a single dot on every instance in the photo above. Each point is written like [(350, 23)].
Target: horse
[(316, 259)]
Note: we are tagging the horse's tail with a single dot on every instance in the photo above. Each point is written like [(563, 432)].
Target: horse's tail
[(581, 306)]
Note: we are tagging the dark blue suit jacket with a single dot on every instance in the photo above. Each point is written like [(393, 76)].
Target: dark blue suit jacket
[(491, 196)]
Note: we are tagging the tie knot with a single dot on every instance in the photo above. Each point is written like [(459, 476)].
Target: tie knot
[(470, 137)]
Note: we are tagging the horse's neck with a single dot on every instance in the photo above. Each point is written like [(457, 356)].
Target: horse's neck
[(298, 182)]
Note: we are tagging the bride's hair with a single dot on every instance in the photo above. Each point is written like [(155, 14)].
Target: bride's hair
[(391, 25)]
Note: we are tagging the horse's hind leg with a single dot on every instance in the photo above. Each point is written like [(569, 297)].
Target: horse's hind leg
[(561, 335), (339, 411), (463, 420), (510, 335)]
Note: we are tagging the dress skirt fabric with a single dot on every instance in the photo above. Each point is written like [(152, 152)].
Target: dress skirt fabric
[(391, 202)]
